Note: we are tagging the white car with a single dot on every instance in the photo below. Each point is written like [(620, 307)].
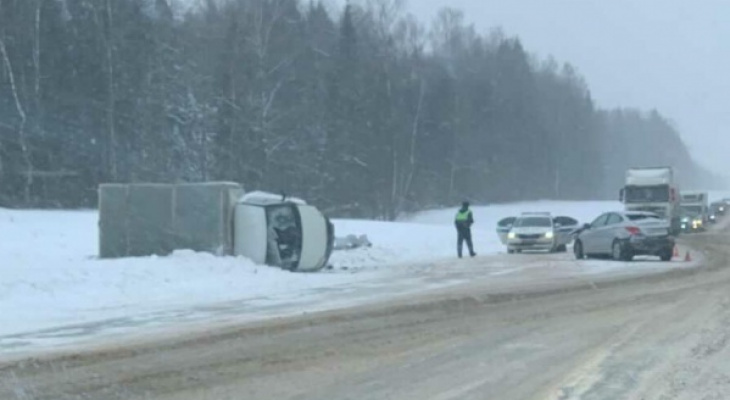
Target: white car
[(536, 231)]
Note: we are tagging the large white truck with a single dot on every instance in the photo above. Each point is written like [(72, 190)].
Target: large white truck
[(697, 204), (653, 189), (142, 219)]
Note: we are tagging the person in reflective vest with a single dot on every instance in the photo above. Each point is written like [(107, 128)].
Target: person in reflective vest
[(463, 222)]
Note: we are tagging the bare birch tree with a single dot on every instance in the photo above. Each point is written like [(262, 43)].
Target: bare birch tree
[(22, 134)]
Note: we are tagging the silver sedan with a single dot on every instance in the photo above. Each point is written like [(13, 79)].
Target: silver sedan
[(623, 235)]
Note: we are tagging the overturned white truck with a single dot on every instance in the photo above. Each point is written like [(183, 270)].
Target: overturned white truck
[(217, 217)]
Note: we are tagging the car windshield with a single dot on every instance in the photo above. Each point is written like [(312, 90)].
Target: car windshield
[(530, 222), (646, 194)]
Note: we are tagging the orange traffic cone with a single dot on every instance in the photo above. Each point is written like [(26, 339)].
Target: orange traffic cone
[(675, 254), (687, 257)]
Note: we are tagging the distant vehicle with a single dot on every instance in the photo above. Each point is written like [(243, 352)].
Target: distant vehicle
[(623, 235), (692, 220), (697, 203), (536, 231), (718, 208), (713, 216), (653, 190)]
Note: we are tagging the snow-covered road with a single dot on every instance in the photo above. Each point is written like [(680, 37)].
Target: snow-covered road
[(54, 293)]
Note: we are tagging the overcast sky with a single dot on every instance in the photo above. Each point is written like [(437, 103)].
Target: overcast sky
[(672, 55)]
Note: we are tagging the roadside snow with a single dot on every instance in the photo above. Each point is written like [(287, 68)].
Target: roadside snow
[(487, 216), (50, 275), (430, 235), (50, 270), (51, 280), (393, 243)]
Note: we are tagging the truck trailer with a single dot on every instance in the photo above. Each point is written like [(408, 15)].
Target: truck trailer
[(143, 219)]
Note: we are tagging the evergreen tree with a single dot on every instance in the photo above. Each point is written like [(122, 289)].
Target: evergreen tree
[(364, 112)]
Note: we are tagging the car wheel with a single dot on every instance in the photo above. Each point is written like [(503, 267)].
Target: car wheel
[(578, 250), (666, 254), (563, 248), (510, 251), (619, 252)]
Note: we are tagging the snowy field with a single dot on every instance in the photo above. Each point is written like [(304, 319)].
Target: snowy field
[(430, 235), (53, 289)]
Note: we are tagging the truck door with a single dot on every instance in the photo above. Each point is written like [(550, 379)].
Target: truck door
[(316, 239)]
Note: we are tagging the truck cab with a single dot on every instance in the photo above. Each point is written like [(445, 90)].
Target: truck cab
[(653, 190), (697, 203), (281, 232)]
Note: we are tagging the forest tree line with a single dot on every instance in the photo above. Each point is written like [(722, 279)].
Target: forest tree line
[(363, 111)]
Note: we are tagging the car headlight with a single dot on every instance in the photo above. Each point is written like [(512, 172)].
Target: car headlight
[(511, 235), (549, 235)]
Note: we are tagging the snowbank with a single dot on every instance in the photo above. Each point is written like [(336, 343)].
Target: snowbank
[(50, 275), (51, 280), (50, 270)]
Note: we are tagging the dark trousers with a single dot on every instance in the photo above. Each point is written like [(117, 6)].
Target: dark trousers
[(464, 235)]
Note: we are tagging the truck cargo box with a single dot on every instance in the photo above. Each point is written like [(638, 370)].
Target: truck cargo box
[(143, 219)]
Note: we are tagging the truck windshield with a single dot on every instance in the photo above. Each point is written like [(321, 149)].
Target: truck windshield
[(692, 210), (647, 194), (284, 236)]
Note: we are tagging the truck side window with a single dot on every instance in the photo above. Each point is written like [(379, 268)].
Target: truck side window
[(284, 226)]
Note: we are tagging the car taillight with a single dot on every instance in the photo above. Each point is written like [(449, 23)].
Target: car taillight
[(633, 230)]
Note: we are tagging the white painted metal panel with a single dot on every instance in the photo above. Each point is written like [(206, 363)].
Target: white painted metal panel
[(314, 239), (649, 176), (250, 232)]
